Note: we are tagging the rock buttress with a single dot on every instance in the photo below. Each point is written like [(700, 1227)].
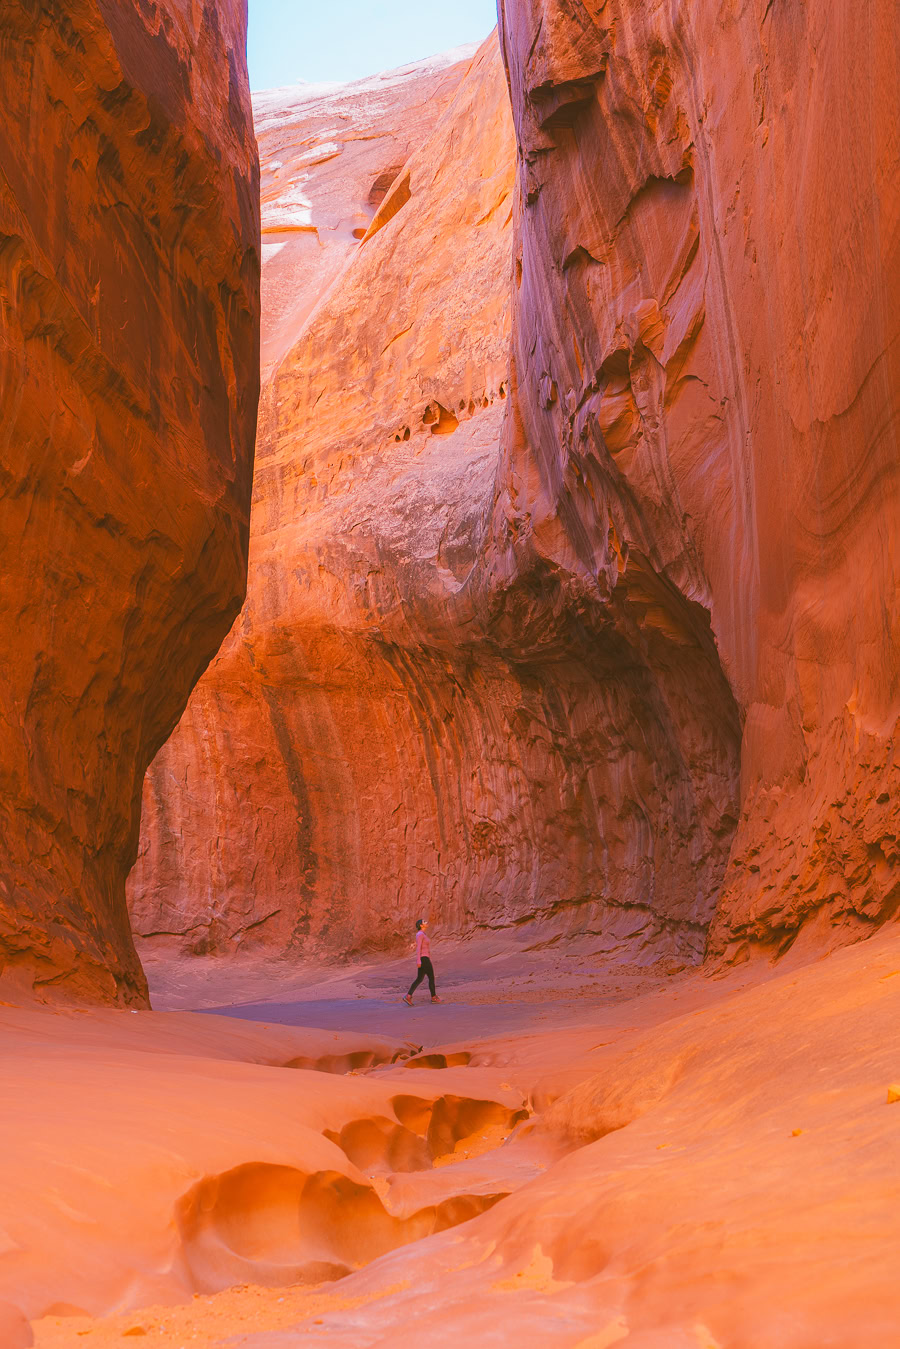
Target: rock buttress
[(129, 241)]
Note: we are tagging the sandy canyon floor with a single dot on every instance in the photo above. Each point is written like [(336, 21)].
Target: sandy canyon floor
[(564, 1153)]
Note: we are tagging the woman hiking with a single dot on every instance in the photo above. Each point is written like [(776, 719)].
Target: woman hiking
[(423, 960)]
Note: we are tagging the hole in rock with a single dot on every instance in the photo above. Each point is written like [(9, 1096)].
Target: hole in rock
[(381, 1144), (396, 198), (560, 105), (441, 420), (451, 1122), (383, 184), (455, 1119)]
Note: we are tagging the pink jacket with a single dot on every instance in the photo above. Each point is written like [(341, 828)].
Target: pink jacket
[(423, 946)]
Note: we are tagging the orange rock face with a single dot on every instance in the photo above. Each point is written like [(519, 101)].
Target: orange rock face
[(709, 279), (329, 155), (128, 387), (414, 712), (303, 800), (625, 665)]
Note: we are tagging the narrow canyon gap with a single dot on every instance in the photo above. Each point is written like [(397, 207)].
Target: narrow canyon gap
[(615, 655)]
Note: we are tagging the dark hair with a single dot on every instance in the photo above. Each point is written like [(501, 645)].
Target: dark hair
[(419, 922)]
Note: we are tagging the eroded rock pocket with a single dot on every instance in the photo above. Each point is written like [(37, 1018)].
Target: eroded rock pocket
[(424, 1133), (275, 1225), (459, 1060)]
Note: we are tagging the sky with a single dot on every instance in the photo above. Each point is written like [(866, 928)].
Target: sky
[(318, 40)]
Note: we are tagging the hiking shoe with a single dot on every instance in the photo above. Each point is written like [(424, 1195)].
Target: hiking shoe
[(408, 1000), (437, 999)]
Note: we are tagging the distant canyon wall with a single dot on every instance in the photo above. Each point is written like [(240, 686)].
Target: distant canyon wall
[(572, 601), (129, 348), (414, 714)]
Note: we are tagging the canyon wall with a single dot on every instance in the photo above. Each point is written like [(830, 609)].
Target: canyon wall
[(599, 638), (414, 713), (708, 276), (329, 153), (129, 295)]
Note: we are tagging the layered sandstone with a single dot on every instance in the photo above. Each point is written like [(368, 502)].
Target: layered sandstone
[(400, 721), (708, 277), (172, 1155), (271, 816), (129, 291)]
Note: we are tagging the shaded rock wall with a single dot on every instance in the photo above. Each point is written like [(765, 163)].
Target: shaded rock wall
[(129, 268), (413, 712), (708, 274)]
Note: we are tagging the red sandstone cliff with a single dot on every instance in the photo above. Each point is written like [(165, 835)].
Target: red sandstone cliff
[(709, 280), (398, 724), (128, 387), (329, 154), (300, 802), (627, 666)]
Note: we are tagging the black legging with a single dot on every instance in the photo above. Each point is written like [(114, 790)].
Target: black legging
[(425, 967)]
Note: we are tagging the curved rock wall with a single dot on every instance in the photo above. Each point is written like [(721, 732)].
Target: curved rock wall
[(129, 242), (414, 714), (708, 276), (601, 641)]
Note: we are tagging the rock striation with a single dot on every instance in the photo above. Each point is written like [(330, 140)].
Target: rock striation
[(129, 241), (708, 275)]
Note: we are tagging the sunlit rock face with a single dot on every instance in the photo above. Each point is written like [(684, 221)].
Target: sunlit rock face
[(129, 279), (329, 154), (439, 697), (305, 798), (705, 385)]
